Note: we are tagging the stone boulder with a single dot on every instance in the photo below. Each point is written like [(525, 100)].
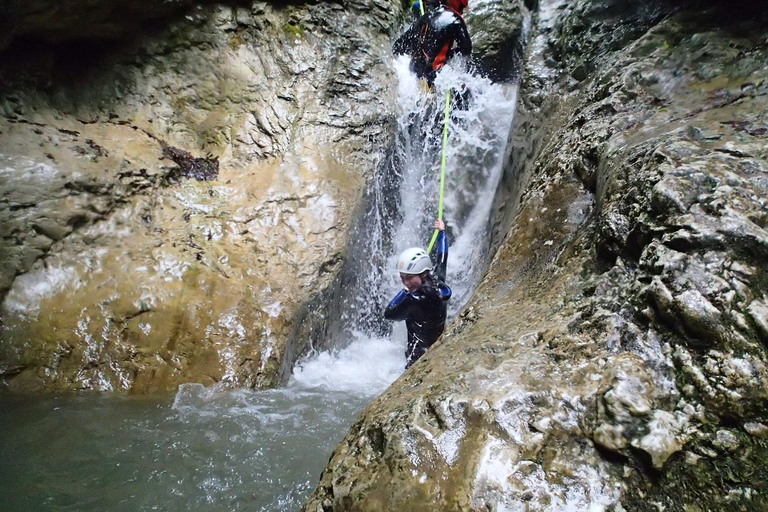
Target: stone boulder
[(498, 31)]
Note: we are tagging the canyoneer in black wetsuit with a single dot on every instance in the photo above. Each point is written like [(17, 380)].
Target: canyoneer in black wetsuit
[(435, 38), (423, 303)]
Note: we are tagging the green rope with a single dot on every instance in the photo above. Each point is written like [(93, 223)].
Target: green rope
[(421, 7), (442, 169)]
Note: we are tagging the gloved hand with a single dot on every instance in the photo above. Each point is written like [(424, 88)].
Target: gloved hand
[(428, 287)]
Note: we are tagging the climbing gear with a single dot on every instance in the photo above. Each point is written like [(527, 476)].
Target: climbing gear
[(442, 168), (413, 261)]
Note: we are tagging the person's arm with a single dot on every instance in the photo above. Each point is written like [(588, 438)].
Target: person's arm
[(441, 256), (405, 44), (397, 309), (463, 42), (444, 290), (435, 288)]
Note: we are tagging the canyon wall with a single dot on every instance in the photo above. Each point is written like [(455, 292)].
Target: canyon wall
[(614, 356)]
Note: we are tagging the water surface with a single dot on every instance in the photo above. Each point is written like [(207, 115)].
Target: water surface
[(203, 449)]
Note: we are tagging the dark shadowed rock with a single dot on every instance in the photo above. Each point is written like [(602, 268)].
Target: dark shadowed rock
[(62, 20), (498, 36), (201, 169)]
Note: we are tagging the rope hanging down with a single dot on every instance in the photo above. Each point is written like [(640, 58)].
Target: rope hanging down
[(442, 169)]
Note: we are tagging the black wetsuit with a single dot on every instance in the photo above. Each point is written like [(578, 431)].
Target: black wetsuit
[(424, 311), (432, 40)]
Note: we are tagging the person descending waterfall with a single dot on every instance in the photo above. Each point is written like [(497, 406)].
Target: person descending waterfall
[(423, 301), (434, 38)]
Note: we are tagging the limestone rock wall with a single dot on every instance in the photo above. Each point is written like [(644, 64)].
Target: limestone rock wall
[(498, 31), (614, 357), (120, 274)]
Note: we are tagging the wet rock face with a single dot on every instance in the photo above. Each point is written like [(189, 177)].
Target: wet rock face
[(120, 273), (614, 357), (497, 31)]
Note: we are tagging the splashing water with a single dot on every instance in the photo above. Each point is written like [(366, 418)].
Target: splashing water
[(403, 203), (366, 365), (476, 149), (403, 197)]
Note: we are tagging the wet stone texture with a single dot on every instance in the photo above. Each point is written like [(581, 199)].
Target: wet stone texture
[(497, 35), (614, 357), (118, 272)]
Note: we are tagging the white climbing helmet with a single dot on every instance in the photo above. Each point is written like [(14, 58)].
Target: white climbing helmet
[(413, 261)]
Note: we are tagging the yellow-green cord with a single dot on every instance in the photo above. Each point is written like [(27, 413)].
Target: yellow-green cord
[(442, 168)]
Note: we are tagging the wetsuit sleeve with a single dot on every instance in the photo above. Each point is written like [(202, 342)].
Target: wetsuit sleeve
[(444, 290), (435, 288), (403, 43), (398, 307), (406, 43), (441, 257), (463, 42)]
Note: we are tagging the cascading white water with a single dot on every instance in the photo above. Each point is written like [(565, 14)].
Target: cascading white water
[(369, 362), (477, 138), (404, 204)]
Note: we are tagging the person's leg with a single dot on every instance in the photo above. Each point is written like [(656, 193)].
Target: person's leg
[(462, 98), (413, 354), (408, 355)]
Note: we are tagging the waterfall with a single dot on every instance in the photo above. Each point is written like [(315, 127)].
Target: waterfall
[(402, 206)]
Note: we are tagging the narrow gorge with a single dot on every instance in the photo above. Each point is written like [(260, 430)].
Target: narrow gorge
[(204, 198)]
